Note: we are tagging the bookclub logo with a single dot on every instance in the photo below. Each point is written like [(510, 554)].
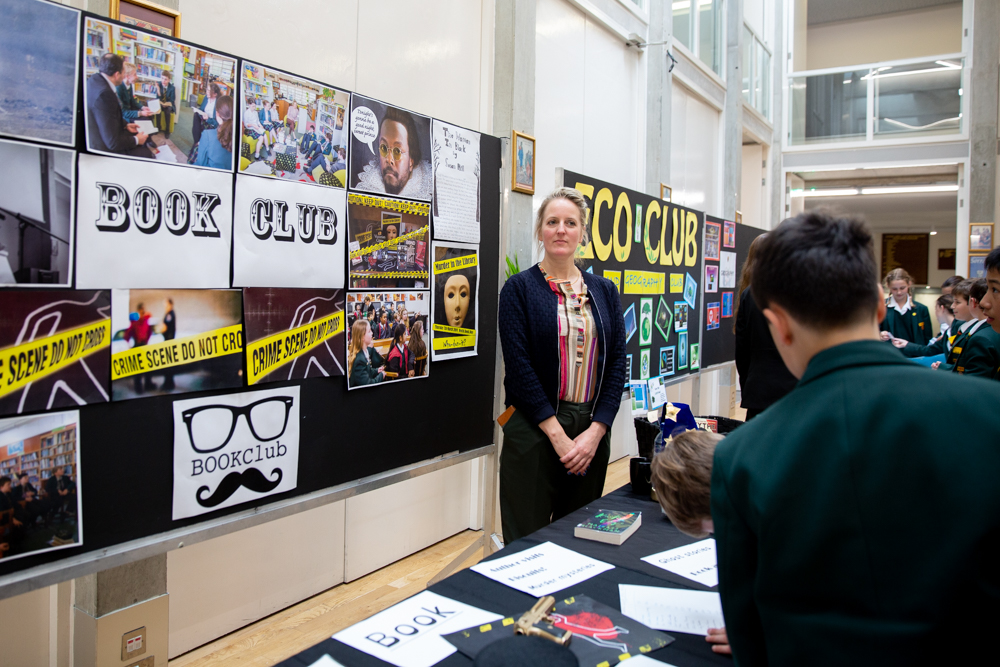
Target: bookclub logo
[(268, 219), (175, 211), (234, 449)]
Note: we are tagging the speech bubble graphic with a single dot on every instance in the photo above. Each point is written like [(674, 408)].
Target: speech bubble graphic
[(364, 126)]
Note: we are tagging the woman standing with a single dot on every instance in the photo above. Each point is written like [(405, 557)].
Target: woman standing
[(905, 318), (563, 339), (764, 378)]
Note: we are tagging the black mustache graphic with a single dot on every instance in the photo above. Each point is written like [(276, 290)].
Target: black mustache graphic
[(251, 478)]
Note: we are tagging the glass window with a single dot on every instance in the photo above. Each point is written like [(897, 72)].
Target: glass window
[(683, 24), (747, 66), (710, 33), (762, 81)]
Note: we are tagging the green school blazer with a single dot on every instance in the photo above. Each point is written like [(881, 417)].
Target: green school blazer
[(914, 325), (940, 346), (980, 354), (852, 526)]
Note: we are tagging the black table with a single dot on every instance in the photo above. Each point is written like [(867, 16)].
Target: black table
[(654, 535)]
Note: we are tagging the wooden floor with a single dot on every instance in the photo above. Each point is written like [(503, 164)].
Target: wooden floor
[(282, 635)]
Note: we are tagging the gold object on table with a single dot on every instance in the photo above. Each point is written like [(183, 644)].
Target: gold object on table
[(536, 622)]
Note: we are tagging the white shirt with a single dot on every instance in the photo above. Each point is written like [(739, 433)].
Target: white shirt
[(965, 327), (210, 107), (901, 309)]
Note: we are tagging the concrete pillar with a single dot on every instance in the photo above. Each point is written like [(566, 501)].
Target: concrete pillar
[(659, 89), (983, 112), (733, 117), (116, 605), (779, 64), (513, 109)]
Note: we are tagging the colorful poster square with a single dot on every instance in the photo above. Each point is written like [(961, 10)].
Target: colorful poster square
[(664, 318), (728, 234), (690, 289), (695, 360), (680, 316), (711, 279), (644, 363), (645, 321), (630, 323), (713, 234), (712, 316), (682, 351), (727, 304), (667, 358)]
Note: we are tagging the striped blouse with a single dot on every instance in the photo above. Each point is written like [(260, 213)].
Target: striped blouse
[(577, 342)]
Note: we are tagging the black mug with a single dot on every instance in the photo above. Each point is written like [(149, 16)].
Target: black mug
[(640, 474)]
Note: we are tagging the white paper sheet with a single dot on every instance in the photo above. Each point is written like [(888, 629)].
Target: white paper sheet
[(456, 183), (672, 609), (727, 270), (695, 561), (153, 105), (542, 570), (147, 127), (644, 661), (657, 393), (409, 633)]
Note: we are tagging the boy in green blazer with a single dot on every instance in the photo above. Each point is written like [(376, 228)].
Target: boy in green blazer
[(990, 303), (852, 527), (976, 350)]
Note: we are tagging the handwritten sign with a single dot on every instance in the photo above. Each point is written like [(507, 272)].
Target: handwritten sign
[(542, 570)]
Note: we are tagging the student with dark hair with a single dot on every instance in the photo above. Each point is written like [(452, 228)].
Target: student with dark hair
[(167, 94), (400, 359), (939, 346), (823, 506), (904, 318), (977, 350), (25, 492), (216, 147), (948, 284), (8, 502), (990, 303), (418, 349)]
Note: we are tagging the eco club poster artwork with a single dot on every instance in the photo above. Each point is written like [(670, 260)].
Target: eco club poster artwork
[(651, 249)]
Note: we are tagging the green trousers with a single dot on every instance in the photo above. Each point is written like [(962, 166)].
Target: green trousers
[(535, 487)]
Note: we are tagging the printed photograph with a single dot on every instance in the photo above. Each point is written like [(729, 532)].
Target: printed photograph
[(455, 303), (682, 351), (41, 506), (293, 334), (630, 323), (70, 331), (712, 316), (711, 278), (39, 56), (388, 242), (727, 304), (292, 128), (680, 316), (644, 362), (695, 356), (667, 360), (151, 97), (387, 338), (390, 150), (645, 321), (713, 232), (524, 163), (175, 341), (664, 318), (36, 215), (728, 234)]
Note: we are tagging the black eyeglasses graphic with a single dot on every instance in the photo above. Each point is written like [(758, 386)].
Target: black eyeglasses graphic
[(210, 427)]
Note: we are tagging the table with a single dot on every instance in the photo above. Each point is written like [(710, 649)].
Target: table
[(654, 535)]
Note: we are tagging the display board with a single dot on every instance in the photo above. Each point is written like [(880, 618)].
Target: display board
[(652, 250), (166, 186), (721, 287), (906, 251)]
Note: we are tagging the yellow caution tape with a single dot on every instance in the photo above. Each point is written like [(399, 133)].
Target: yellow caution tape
[(22, 364), (267, 354), (176, 352), (455, 263), (367, 250)]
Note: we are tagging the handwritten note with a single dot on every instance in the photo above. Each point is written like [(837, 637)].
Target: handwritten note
[(672, 609), (456, 183), (542, 570), (695, 561), (409, 634)]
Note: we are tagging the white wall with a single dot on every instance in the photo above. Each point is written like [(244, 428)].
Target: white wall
[(432, 57), (589, 100), (751, 190), (25, 628), (695, 154), (923, 32)]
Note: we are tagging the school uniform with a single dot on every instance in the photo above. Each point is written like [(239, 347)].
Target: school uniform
[(211, 153), (980, 353), (167, 94), (845, 530), (911, 322), (364, 370), (400, 363), (130, 106), (965, 331), (941, 345)]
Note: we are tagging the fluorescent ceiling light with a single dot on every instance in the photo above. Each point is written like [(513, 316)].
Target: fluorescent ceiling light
[(908, 189), (832, 192)]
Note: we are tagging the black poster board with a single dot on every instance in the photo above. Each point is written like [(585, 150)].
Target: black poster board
[(633, 245), (718, 345), (126, 448)]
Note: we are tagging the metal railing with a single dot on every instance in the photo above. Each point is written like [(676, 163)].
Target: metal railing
[(911, 99)]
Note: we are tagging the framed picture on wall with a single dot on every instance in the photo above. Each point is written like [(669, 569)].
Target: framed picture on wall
[(981, 237), (523, 175), (977, 266), (148, 16), (666, 192), (739, 218)]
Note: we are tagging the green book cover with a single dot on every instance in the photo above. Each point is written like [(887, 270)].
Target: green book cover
[(610, 521)]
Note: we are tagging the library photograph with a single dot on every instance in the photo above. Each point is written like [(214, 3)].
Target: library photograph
[(40, 505), (151, 97), (293, 128)]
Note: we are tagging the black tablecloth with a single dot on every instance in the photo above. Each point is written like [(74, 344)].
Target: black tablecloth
[(654, 535)]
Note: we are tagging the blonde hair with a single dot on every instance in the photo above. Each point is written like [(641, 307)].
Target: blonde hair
[(358, 332), (128, 68), (574, 197), (898, 274), (682, 477)]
